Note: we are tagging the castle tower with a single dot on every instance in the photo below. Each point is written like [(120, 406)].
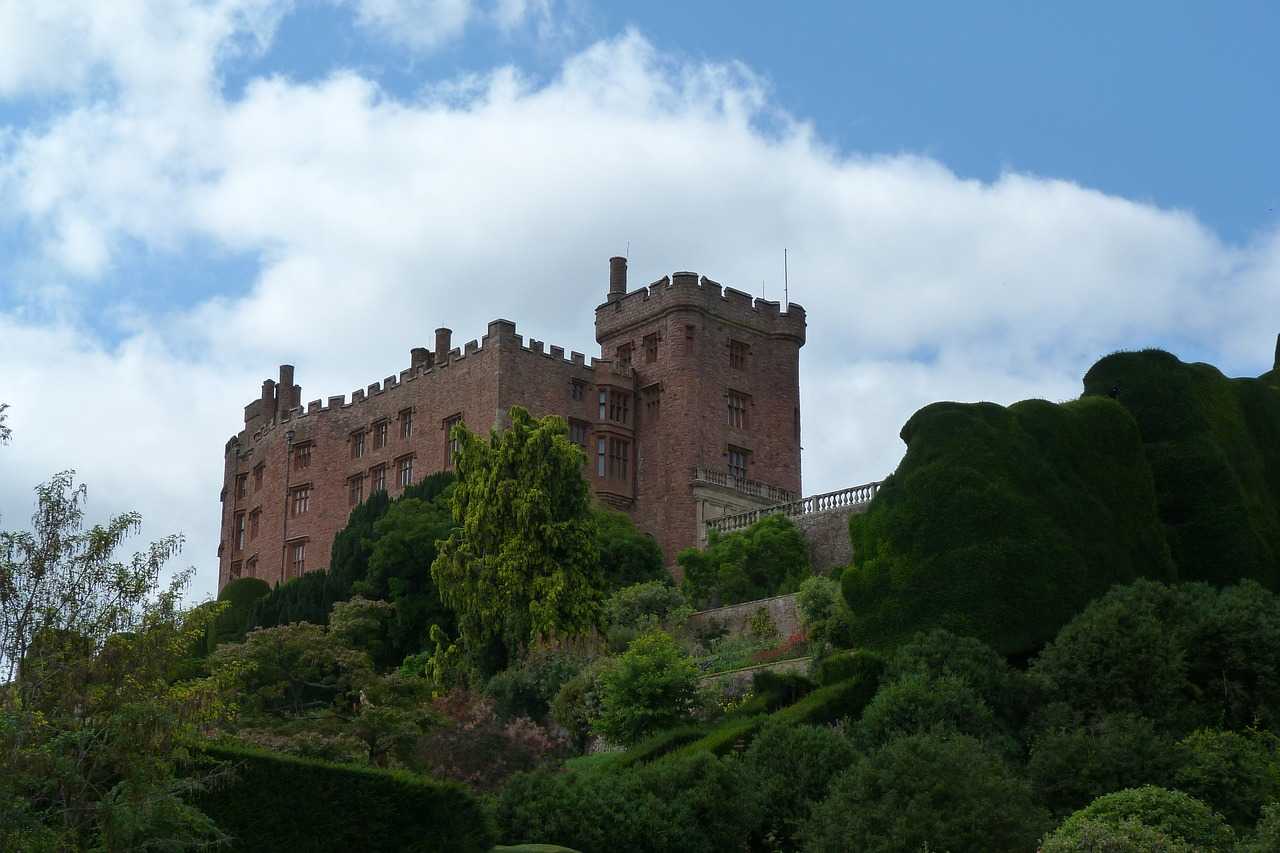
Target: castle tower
[(715, 401)]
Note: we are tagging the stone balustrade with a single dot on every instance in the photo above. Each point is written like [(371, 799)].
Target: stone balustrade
[(850, 498), (754, 488)]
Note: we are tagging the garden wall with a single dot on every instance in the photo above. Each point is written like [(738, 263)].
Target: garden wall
[(782, 612)]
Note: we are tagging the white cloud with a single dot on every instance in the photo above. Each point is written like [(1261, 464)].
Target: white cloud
[(422, 24), (378, 218)]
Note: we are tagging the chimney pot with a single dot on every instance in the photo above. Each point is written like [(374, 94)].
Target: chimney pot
[(617, 278), (444, 338)]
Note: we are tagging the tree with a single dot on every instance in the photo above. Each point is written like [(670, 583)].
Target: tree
[(650, 689), (627, 556), (92, 725), (768, 558), (522, 562), (792, 768), (944, 790), (1179, 817)]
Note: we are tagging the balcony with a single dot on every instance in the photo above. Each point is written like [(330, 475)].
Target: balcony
[(753, 488)]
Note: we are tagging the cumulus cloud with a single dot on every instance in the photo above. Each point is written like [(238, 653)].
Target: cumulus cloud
[(376, 218)]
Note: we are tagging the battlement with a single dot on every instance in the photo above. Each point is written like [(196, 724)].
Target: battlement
[(689, 291), (501, 335)]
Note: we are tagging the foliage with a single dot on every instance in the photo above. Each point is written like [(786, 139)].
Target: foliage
[(1001, 523), (842, 666), (939, 653), (579, 702), (627, 555), (917, 703), (528, 688), (279, 802), (633, 610), (1184, 656), (944, 790), (293, 668), (1071, 765), (1126, 836), (768, 558), (817, 599), (1181, 817), (91, 725), (730, 652), (233, 621), (1266, 836), (700, 804), (1211, 444), (471, 744), (791, 648), (792, 767), (780, 689), (399, 570), (651, 688), (1235, 773), (361, 624), (522, 563)]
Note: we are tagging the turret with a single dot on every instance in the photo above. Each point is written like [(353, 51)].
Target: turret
[(617, 278)]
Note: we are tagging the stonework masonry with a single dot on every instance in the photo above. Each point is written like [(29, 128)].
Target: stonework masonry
[(691, 412)]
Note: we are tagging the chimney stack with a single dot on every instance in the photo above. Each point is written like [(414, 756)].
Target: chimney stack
[(444, 338), (419, 357), (617, 278)]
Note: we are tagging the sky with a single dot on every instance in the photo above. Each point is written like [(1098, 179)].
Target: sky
[(976, 200)]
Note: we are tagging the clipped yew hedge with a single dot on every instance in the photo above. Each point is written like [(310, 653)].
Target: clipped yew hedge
[(281, 802)]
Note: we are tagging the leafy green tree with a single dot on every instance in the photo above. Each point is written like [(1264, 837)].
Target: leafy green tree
[(1235, 773), (1266, 835), (768, 558), (792, 768), (940, 789), (1125, 836), (633, 610), (917, 703), (1071, 765), (399, 571), (363, 624), (627, 555), (1180, 817), (579, 700), (528, 689), (651, 688), (522, 562), (92, 727)]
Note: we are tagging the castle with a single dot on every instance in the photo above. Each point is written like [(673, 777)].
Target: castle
[(691, 413)]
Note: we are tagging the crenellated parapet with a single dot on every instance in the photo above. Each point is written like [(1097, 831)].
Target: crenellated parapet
[(689, 291)]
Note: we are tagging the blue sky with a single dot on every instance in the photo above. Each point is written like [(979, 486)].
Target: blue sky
[(978, 200)]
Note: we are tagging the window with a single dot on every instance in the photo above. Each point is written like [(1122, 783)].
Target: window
[(301, 500), (619, 453), (651, 348), (454, 444), (738, 462), (624, 355), (406, 424), (242, 485), (405, 466), (239, 531), (258, 471), (378, 478), (738, 355), (737, 409), (299, 555), (576, 387), (380, 430), (355, 488), (357, 444), (302, 456), (652, 401), (255, 523), (619, 405), (578, 432), (601, 456), (252, 567), (235, 569)]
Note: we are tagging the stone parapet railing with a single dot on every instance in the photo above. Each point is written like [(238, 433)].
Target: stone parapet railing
[(754, 488), (852, 497)]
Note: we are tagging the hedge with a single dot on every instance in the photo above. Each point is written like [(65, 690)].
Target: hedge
[(841, 666), (281, 802)]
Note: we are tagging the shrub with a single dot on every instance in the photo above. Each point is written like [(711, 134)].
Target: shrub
[(944, 790), (1072, 765), (841, 666), (579, 700), (731, 735), (1179, 816), (232, 623), (846, 699), (941, 653), (768, 558), (1235, 773), (780, 689), (917, 703), (528, 688), (1003, 522), (279, 802), (790, 648), (792, 768), (1127, 836), (636, 809), (817, 599), (646, 605), (627, 555), (1266, 836), (660, 744), (651, 688)]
